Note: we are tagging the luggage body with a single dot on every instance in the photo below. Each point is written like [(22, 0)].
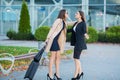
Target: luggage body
[(39, 55), (34, 65), (31, 70)]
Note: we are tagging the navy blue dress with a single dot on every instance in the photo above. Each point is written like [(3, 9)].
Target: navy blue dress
[(55, 46)]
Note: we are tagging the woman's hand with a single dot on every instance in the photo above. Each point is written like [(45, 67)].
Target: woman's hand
[(46, 41), (86, 36)]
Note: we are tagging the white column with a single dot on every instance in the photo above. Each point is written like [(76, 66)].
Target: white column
[(32, 18), (1, 19), (49, 20), (17, 21), (61, 4), (85, 6), (104, 16)]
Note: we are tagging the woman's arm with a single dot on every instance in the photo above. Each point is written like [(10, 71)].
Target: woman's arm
[(71, 23), (85, 31)]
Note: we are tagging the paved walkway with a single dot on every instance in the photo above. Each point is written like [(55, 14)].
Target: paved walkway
[(99, 62)]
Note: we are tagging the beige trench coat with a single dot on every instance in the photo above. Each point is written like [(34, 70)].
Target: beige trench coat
[(55, 29)]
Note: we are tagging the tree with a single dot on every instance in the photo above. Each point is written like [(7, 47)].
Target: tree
[(24, 23)]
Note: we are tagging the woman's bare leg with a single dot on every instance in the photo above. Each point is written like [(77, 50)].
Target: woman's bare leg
[(51, 62), (57, 62)]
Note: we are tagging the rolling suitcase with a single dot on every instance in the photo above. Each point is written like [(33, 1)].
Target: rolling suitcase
[(31, 70), (39, 55), (34, 65)]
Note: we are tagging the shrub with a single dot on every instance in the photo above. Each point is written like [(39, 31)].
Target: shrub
[(114, 29), (111, 35), (41, 33), (68, 35), (24, 23), (10, 34), (102, 37), (24, 30), (23, 36), (93, 36)]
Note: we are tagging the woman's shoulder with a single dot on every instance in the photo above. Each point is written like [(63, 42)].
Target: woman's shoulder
[(82, 23), (58, 20)]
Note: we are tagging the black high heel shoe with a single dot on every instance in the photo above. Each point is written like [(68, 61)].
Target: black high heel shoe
[(80, 75), (74, 78), (48, 77), (57, 77)]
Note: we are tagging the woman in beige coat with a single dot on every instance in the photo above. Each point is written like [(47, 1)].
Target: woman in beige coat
[(55, 43)]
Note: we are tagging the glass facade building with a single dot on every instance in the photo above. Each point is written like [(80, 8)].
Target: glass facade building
[(99, 13)]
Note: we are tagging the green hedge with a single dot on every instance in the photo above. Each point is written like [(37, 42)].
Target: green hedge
[(112, 35), (10, 34), (19, 36), (114, 29), (102, 37), (109, 37), (93, 35), (41, 33), (68, 35), (23, 36)]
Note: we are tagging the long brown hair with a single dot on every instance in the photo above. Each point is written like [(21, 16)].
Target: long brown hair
[(83, 18), (62, 14), (82, 15)]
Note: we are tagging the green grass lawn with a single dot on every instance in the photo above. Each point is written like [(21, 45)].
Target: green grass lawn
[(15, 50)]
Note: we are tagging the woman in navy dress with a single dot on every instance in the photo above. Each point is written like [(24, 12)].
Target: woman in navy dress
[(79, 32), (55, 43)]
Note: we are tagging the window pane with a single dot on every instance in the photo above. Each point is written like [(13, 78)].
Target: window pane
[(96, 1), (113, 1), (96, 17), (113, 16)]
